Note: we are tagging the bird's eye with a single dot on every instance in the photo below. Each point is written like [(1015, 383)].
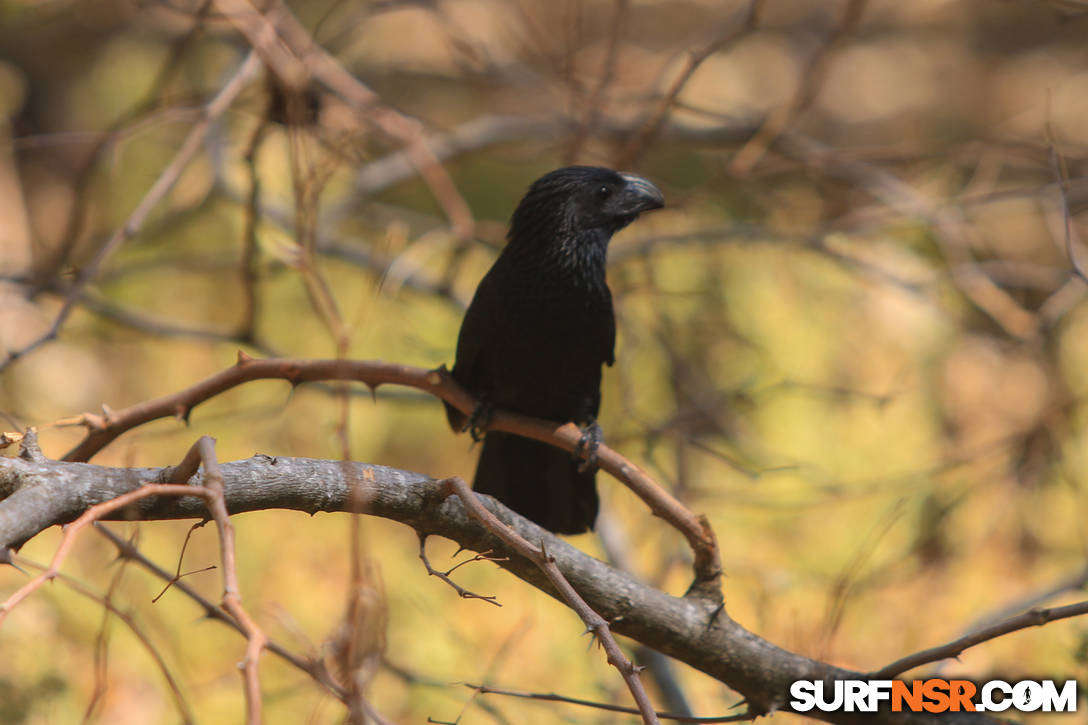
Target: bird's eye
[(603, 192)]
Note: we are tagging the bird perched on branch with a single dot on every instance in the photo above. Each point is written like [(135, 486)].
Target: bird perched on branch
[(535, 337)]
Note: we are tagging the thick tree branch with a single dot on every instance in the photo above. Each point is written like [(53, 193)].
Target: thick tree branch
[(693, 630)]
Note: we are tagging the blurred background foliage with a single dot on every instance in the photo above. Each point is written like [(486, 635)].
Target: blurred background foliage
[(855, 338)]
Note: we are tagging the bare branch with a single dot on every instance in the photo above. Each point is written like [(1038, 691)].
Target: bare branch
[(184, 710), (552, 697), (1061, 177), (92, 514), (312, 667), (163, 184), (650, 127), (295, 56), (692, 630), (445, 575), (951, 228), (815, 73), (696, 529), (232, 597), (595, 624), (1030, 618), (596, 102), (181, 557)]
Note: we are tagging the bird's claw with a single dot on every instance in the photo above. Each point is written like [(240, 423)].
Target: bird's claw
[(588, 444), (480, 420)]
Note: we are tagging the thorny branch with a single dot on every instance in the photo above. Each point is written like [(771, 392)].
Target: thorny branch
[(232, 597), (693, 630), (103, 429), (595, 623), (1031, 618), (445, 575), (202, 451), (92, 514)]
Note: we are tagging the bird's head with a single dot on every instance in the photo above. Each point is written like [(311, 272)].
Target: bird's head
[(581, 201)]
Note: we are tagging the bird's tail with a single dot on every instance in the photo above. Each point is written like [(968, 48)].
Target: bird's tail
[(539, 481)]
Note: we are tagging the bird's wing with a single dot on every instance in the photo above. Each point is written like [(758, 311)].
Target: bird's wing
[(610, 350), (468, 369)]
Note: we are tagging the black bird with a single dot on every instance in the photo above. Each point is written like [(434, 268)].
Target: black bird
[(537, 333)]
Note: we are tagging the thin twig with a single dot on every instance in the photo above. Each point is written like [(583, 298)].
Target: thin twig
[(232, 598), (250, 258), (295, 56), (595, 623), (445, 575), (158, 191), (595, 106), (181, 557), (185, 712), (1061, 177), (311, 667), (815, 74), (1030, 618), (552, 697), (102, 648), (652, 124)]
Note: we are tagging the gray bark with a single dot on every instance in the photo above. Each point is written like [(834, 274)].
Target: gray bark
[(38, 493)]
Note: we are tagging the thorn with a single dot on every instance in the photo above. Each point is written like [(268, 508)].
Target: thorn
[(243, 358), (181, 413), (28, 446), (714, 615), (6, 558)]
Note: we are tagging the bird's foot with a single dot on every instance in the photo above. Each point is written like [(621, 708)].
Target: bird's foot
[(480, 419), (592, 435)]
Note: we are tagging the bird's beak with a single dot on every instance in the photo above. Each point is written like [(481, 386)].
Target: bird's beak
[(640, 195)]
